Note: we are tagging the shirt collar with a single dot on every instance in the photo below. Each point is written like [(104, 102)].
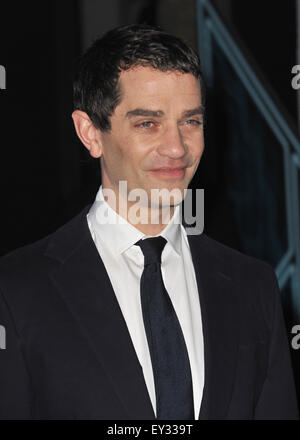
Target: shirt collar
[(119, 235)]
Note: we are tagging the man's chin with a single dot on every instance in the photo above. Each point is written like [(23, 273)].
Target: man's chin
[(165, 197)]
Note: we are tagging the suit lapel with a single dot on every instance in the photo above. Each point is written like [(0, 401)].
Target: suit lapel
[(220, 321), (84, 285)]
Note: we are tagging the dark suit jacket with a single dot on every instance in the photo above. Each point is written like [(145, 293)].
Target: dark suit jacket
[(69, 354)]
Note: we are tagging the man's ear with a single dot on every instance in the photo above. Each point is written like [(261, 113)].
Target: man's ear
[(89, 135)]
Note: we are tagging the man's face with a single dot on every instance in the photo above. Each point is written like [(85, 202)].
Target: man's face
[(158, 124)]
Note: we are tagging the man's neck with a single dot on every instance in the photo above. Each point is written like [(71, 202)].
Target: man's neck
[(148, 220)]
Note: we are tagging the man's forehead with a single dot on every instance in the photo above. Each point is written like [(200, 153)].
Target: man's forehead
[(140, 83), (148, 76)]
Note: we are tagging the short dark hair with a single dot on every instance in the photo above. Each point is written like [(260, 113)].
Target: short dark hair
[(96, 86)]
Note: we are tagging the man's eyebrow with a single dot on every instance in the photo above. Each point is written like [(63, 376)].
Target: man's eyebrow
[(195, 111), (159, 113), (144, 112)]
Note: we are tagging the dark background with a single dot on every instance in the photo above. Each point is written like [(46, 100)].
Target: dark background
[(46, 174)]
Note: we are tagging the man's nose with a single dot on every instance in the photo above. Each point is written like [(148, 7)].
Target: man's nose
[(172, 144)]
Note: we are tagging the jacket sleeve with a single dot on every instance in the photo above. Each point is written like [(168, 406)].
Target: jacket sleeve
[(14, 380), (278, 400)]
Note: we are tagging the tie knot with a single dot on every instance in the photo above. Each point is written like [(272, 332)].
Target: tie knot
[(152, 249)]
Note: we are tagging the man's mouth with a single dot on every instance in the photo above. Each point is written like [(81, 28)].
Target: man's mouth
[(168, 172)]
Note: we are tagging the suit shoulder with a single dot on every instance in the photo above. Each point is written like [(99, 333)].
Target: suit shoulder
[(233, 256), (21, 257), (245, 270), (33, 259)]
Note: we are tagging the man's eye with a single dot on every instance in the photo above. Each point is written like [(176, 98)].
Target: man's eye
[(146, 124), (193, 122)]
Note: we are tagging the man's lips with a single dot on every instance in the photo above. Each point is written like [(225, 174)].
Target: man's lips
[(168, 168), (169, 172)]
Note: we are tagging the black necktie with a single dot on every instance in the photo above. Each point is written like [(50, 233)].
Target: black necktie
[(169, 356)]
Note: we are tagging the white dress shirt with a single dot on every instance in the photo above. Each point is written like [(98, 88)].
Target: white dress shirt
[(114, 238)]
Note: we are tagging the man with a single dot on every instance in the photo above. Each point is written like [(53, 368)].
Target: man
[(121, 314)]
